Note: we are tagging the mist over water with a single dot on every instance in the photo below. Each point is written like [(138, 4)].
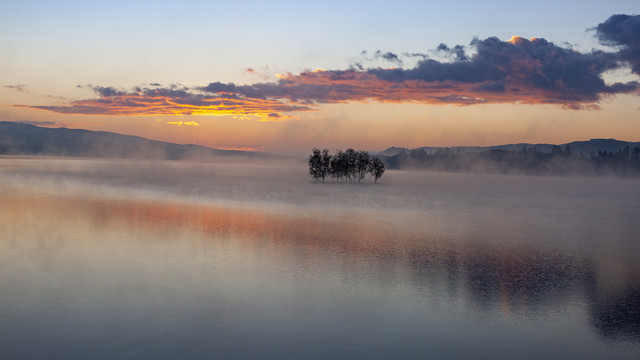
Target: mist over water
[(129, 259)]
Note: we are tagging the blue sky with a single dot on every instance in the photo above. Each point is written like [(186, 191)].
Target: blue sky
[(203, 41)]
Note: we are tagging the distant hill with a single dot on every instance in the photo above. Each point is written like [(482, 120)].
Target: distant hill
[(586, 148), (593, 146), (596, 157), (393, 151), (25, 139)]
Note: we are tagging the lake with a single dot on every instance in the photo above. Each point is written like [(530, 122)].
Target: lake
[(116, 259)]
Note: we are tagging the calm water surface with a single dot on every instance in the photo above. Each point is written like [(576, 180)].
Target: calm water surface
[(164, 260)]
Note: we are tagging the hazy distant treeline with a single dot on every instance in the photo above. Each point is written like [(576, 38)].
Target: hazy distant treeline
[(344, 165), (624, 162)]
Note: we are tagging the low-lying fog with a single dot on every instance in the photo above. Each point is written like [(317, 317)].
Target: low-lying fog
[(130, 259), (477, 205)]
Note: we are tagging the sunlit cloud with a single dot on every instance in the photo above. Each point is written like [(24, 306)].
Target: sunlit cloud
[(519, 70), (168, 101), (487, 71), (181, 123), (239, 148), (253, 72), (515, 71)]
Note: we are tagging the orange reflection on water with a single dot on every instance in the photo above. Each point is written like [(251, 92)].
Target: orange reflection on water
[(362, 250)]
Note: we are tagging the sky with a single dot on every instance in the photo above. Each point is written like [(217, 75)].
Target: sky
[(286, 76)]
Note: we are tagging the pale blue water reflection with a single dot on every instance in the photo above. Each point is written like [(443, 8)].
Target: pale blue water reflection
[(98, 261)]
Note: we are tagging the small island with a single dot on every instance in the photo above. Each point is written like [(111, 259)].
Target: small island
[(347, 165)]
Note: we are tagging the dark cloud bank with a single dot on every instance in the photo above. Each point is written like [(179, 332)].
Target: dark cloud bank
[(623, 31), (490, 70)]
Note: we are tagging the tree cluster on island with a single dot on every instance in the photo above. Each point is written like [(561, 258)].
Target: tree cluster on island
[(624, 162), (348, 165)]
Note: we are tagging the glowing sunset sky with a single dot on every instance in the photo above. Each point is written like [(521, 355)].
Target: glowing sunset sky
[(286, 76)]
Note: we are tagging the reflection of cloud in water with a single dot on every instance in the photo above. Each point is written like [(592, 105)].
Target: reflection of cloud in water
[(517, 280)]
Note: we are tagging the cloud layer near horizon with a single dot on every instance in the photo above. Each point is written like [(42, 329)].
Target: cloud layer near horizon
[(525, 71), (171, 101)]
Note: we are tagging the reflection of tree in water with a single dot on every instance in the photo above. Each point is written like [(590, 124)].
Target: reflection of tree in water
[(517, 279), (521, 280), (616, 315), (532, 278), (525, 281), (529, 282)]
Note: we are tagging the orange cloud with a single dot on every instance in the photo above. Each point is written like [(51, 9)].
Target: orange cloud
[(351, 85), (515, 71), (172, 102), (185, 123), (238, 148)]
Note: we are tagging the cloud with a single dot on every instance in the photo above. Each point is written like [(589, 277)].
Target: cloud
[(532, 71), (623, 31), (253, 72), (519, 70), (18, 87), (107, 91), (171, 101), (181, 123), (529, 71), (358, 62), (457, 51), (389, 56)]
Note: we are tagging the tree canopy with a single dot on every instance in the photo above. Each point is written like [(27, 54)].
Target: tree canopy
[(348, 165)]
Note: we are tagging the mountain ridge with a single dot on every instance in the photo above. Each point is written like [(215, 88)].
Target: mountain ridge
[(26, 139), (585, 147)]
